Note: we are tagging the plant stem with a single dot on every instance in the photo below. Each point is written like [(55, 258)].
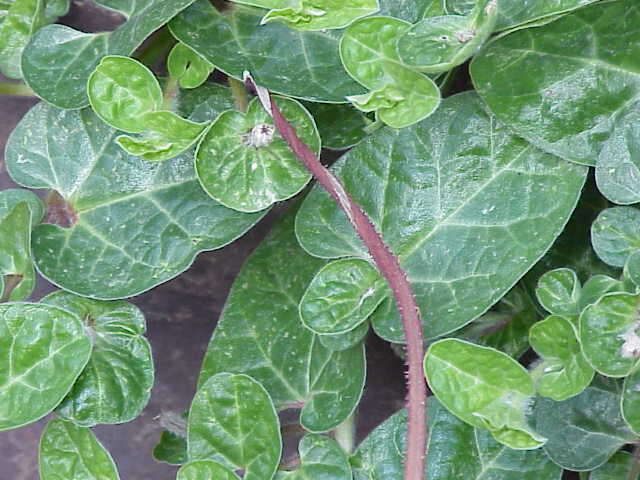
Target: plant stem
[(171, 90), (345, 434), (389, 267), (239, 94), (16, 89)]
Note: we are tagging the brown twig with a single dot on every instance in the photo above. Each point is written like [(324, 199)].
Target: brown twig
[(389, 267)]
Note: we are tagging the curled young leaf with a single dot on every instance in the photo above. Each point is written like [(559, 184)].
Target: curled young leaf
[(321, 458), (205, 470), (243, 163), (190, 68), (43, 349), (559, 292), (615, 235), (232, 421), (485, 388)]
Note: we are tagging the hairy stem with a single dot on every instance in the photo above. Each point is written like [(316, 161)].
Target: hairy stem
[(389, 267), (16, 89), (239, 94)]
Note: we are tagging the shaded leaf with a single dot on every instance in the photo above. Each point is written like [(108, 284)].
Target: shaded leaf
[(559, 292), (614, 234), (130, 224), (618, 467), (188, 66), (205, 103), (631, 401), (232, 421), (597, 287), (632, 268), (260, 334), (171, 449), (205, 470), (467, 207), (321, 459), (17, 275), (340, 126)]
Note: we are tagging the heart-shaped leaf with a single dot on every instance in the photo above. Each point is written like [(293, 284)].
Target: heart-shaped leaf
[(243, 163), (574, 440), (597, 287), (205, 470), (574, 101), (631, 401), (466, 223), (608, 334), (559, 292), (188, 66), (321, 459), (483, 387), (563, 372), (232, 421), (260, 334), (614, 234), (76, 54), (125, 225), (43, 349), (69, 451), (299, 64), (400, 96), (116, 385)]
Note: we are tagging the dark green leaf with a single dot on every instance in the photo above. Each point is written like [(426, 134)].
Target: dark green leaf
[(597, 287), (205, 470), (619, 467), (321, 459), (344, 341), (319, 14), (340, 126), (615, 234), (171, 449), (188, 66)]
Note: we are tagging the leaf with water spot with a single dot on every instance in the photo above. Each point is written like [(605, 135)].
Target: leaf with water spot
[(321, 458), (43, 349), (205, 470), (243, 163), (185, 64), (614, 234), (232, 421)]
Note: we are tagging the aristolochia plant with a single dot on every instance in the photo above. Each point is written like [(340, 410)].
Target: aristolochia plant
[(461, 218)]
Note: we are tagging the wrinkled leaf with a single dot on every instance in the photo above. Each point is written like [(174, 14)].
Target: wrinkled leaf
[(340, 126), (232, 421), (583, 431), (59, 59), (571, 99), (563, 372), (299, 64), (205, 470), (320, 14), (467, 207), (116, 384), (559, 292), (243, 163), (615, 234), (188, 66), (260, 334), (321, 459), (129, 224), (399, 95), (72, 452), (484, 388), (43, 349), (619, 467), (608, 334)]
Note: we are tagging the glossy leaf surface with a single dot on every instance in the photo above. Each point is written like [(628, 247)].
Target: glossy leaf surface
[(205, 470), (21, 20), (559, 292), (126, 225), (344, 341), (467, 207), (321, 459), (188, 66), (43, 349), (260, 334), (299, 64), (69, 451), (320, 14), (232, 421), (18, 277), (243, 163), (615, 234), (116, 384), (171, 449), (484, 388)]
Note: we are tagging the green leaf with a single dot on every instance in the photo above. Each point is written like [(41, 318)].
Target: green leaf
[(466, 222), (632, 268), (260, 334), (72, 452), (299, 64), (484, 388), (76, 54), (411, 11), (116, 384), (583, 431), (563, 372), (559, 292), (171, 449), (205, 470), (22, 20), (129, 224), (618, 467), (608, 334), (13, 196), (121, 90), (321, 459), (341, 296), (614, 234), (321, 14), (232, 421), (191, 69), (43, 349), (344, 341), (631, 401), (438, 44), (243, 163), (569, 100), (17, 275), (204, 103), (597, 287), (340, 126), (399, 95)]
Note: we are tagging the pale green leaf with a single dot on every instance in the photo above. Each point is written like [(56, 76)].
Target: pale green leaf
[(71, 452), (232, 421), (321, 14), (291, 62), (632, 268), (116, 384), (608, 334), (260, 334), (484, 388), (467, 207), (243, 163), (559, 292), (205, 470), (22, 20), (188, 66), (563, 372), (631, 401), (619, 467), (615, 234), (321, 458), (129, 224), (583, 431), (43, 349)]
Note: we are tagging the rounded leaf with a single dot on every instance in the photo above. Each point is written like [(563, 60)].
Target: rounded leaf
[(321, 458), (188, 66), (205, 470), (614, 234), (559, 292), (344, 341), (631, 401), (632, 268), (619, 467)]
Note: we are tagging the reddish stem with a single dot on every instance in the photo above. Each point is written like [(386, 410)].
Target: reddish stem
[(389, 267)]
